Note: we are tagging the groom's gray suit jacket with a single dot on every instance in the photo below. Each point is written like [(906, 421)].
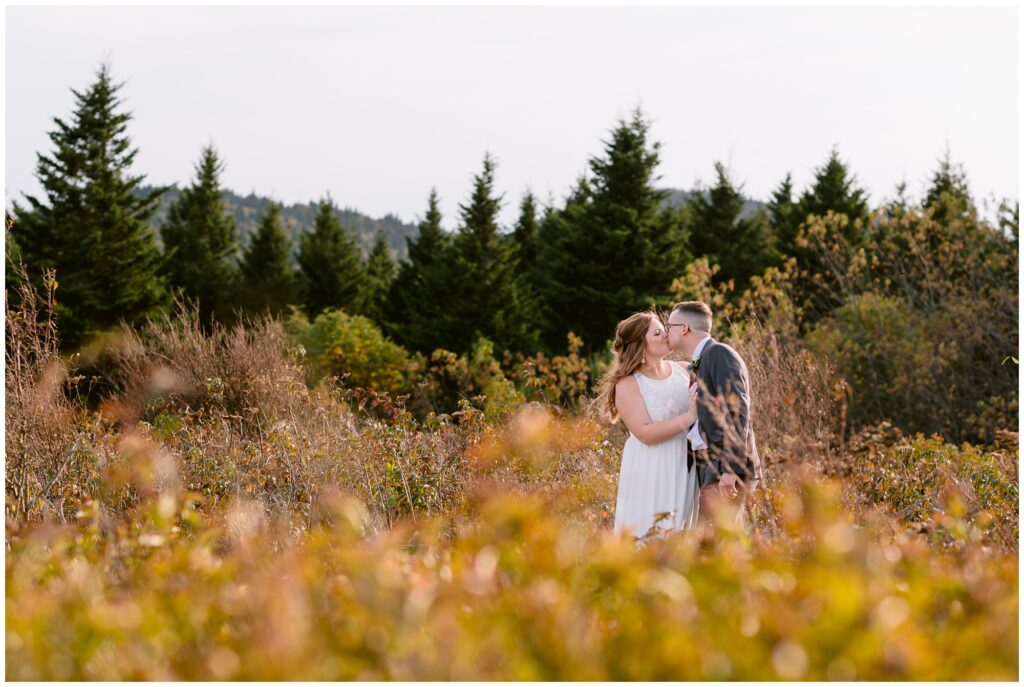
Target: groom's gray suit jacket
[(724, 414)]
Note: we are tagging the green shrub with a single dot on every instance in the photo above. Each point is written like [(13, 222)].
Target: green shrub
[(352, 348), (920, 317), (918, 478), (894, 358), (450, 379), (561, 380)]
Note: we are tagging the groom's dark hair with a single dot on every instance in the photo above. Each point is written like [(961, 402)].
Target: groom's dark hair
[(695, 311)]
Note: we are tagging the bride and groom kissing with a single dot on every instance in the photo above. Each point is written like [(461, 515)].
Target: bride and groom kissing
[(691, 446)]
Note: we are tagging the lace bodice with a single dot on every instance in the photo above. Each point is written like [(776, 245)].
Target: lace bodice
[(667, 397)]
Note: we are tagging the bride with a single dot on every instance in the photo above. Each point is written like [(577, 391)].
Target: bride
[(654, 398)]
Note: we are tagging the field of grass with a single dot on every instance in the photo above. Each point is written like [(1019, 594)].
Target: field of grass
[(220, 520)]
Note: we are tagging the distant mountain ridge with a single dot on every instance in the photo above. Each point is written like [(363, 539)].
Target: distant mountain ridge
[(678, 197), (297, 218)]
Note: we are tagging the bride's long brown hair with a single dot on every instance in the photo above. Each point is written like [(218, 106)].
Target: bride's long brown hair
[(627, 357)]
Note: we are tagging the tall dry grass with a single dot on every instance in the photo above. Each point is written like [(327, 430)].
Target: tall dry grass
[(47, 437), (249, 371), (229, 411), (232, 407)]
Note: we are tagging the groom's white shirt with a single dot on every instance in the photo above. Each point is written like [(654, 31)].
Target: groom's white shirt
[(696, 440)]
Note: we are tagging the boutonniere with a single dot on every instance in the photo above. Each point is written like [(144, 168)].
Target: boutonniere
[(695, 364)]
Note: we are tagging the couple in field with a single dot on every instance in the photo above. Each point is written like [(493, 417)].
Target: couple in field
[(691, 445)]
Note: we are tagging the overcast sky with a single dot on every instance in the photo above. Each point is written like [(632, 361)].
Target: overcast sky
[(377, 105)]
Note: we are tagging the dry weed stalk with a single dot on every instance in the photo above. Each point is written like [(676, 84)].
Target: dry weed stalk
[(45, 444)]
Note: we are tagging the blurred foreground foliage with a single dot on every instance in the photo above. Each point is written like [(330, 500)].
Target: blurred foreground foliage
[(508, 587)]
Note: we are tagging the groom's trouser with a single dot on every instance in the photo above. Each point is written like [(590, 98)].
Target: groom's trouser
[(710, 493), (711, 499)]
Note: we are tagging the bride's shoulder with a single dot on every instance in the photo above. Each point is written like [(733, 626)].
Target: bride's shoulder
[(628, 382)]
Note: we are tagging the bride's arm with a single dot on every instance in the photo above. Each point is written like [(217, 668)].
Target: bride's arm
[(633, 412)]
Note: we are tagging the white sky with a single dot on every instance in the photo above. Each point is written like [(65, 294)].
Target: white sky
[(376, 105)]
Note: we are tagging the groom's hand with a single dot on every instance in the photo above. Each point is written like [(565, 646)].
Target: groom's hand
[(728, 485)]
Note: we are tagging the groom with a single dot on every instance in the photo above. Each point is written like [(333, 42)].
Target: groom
[(728, 466)]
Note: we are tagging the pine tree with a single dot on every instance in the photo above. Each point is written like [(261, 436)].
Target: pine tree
[(1008, 220), (267, 277), (898, 205), (626, 202), (431, 238), (783, 215), (614, 248), (948, 195), (486, 296), (93, 227), (558, 232), (525, 238), (380, 272), (330, 271), (201, 241), (742, 247), (714, 215), (836, 190), (418, 316), (525, 234)]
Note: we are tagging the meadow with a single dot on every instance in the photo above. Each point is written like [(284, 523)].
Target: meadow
[(229, 510)]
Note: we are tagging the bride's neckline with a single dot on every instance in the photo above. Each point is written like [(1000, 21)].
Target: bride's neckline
[(671, 371)]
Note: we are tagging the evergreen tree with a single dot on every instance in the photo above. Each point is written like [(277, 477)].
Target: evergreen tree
[(525, 238), (486, 296), (380, 272), (714, 214), (93, 228), (431, 238), (783, 215), (525, 234), (267, 277), (559, 230), (418, 316), (836, 190), (833, 189), (898, 206), (330, 271), (948, 195), (1008, 220), (201, 241), (614, 248), (742, 247)]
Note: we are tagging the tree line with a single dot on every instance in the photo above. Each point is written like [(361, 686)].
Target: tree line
[(612, 246)]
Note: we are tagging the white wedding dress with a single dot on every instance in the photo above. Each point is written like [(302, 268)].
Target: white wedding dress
[(654, 479)]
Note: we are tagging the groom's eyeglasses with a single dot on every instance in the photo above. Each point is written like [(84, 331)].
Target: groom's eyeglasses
[(673, 324)]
